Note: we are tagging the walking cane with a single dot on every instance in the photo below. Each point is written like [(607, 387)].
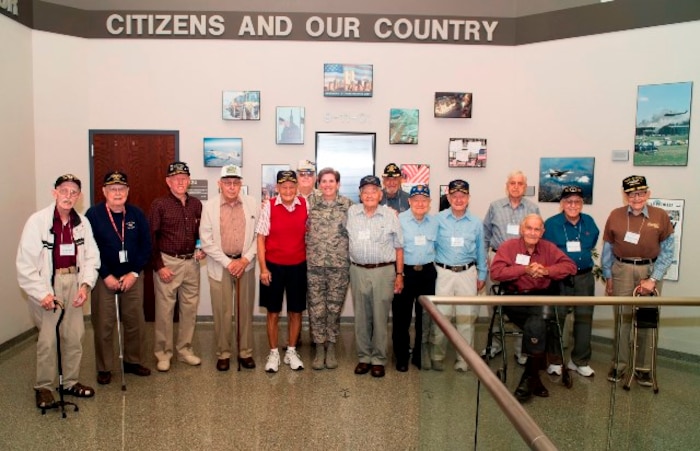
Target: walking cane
[(119, 335), (238, 322), (61, 403)]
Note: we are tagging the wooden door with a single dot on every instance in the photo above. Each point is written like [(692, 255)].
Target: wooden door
[(144, 157)]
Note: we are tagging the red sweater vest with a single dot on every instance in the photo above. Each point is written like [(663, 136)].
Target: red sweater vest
[(286, 244)]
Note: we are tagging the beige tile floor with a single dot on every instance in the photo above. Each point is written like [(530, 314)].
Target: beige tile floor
[(192, 408)]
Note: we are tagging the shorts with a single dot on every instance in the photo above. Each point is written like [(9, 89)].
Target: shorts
[(285, 278)]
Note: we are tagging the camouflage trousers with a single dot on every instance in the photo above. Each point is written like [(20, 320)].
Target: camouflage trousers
[(326, 292)]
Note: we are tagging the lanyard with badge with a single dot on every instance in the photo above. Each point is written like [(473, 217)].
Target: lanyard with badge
[(631, 237), (513, 227), (123, 258), (575, 244), (66, 249)]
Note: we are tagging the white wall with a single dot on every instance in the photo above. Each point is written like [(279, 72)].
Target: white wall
[(572, 97), (17, 168)]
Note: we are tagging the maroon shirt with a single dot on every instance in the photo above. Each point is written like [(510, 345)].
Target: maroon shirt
[(174, 226), (63, 234), (546, 253)]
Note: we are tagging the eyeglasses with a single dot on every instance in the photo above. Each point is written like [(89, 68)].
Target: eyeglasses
[(231, 182), (65, 192), (305, 174), (637, 194), (573, 202), (117, 189)]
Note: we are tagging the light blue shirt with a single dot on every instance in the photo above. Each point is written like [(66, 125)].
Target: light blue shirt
[(373, 239), (461, 241), (418, 238)]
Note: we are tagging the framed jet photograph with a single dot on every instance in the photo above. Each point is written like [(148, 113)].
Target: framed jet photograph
[(556, 173)]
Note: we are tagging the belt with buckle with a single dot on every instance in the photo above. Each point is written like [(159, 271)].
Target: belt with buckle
[(234, 256), (459, 268), (373, 265), (180, 256), (416, 268), (636, 261), (67, 270)]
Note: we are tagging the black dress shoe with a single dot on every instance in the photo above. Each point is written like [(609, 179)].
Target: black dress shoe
[(137, 369), (538, 389), (402, 367), (523, 392), (362, 368), (247, 362), (416, 363), (377, 370), (223, 364), (104, 377)]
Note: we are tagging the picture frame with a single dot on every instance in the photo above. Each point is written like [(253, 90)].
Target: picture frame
[(219, 152), (348, 80), (453, 105), (467, 153), (290, 125), (414, 174), (674, 208), (556, 173), (403, 125), (662, 127), (240, 105), (350, 153), (268, 180)]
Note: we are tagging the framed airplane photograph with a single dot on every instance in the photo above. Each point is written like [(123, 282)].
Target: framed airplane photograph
[(556, 173), (219, 152)]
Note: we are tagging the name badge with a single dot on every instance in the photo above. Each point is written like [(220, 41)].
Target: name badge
[(420, 240), (67, 250), (123, 258), (573, 246), (513, 229), (457, 241), (631, 237), (363, 235), (522, 259)]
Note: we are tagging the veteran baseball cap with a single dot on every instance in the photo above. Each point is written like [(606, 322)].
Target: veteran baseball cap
[(67, 178), (634, 183), (569, 191), (115, 178), (458, 185), (178, 167), (370, 180), (391, 170), (286, 176), (306, 166), (231, 171), (419, 190)]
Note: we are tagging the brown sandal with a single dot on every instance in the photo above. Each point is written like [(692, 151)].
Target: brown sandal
[(44, 399), (79, 390)]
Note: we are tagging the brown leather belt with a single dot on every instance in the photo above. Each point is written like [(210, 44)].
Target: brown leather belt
[(234, 256), (373, 265), (68, 270), (636, 261), (180, 256), (456, 268)]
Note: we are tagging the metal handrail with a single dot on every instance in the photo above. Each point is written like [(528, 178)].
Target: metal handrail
[(514, 411)]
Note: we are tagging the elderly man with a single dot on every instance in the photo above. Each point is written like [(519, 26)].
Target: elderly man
[(57, 261), (419, 230), (528, 266), (124, 239), (575, 234), (637, 252), (306, 174), (174, 221), (376, 273), (392, 194), (502, 222), (461, 268), (227, 233), (282, 257)]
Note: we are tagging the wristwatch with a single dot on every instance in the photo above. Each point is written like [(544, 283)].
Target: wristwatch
[(652, 279), (400, 274)]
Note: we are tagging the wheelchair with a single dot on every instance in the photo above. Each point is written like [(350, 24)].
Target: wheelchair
[(506, 329)]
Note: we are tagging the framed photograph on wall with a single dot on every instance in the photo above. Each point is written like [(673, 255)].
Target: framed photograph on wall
[(348, 80), (241, 105), (219, 152), (662, 132), (414, 174), (444, 203), (466, 153), (556, 173), (453, 104), (403, 126), (268, 181), (674, 208), (290, 125), (350, 153)]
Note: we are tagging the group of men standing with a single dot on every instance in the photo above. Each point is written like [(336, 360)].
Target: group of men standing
[(389, 248)]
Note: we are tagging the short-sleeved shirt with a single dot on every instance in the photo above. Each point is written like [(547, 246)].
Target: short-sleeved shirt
[(561, 231), (373, 239), (501, 214), (461, 241), (419, 238), (174, 226)]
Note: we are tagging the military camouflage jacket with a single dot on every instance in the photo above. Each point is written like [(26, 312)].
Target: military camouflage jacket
[(326, 234)]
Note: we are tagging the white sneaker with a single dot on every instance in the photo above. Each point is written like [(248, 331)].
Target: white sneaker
[(521, 359), (496, 349), (461, 365), (554, 369), (585, 371), (190, 359), (291, 358), (273, 362), (163, 365)]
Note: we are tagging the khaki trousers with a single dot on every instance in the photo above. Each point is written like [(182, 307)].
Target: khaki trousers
[(223, 307)]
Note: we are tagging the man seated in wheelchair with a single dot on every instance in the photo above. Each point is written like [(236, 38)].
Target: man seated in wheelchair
[(528, 266)]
